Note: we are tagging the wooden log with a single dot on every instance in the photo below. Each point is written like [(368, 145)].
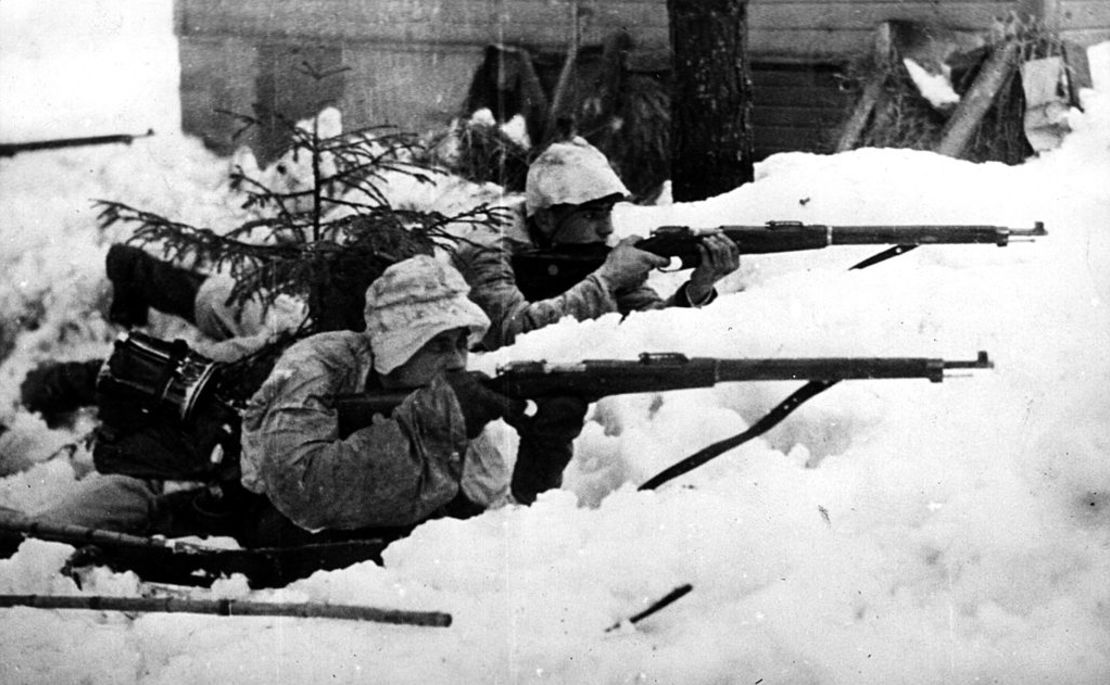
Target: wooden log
[(1079, 71), (228, 607), (857, 122), (861, 113), (975, 103)]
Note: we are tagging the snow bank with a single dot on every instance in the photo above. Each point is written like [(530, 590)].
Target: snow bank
[(888, 531)]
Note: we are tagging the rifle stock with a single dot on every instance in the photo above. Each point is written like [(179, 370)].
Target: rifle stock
[(157, 559), (652, 372), (541, 274)]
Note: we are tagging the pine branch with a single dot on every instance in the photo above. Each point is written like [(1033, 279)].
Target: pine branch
[(306, 249), (258, 195)]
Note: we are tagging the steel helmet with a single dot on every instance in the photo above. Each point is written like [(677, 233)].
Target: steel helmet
[(571, 173)]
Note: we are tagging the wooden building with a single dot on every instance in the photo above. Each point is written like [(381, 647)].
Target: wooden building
[(410, 62)]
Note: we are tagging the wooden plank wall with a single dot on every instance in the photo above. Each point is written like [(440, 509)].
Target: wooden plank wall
[(415, 22), (835, 29), (800, 29), (1084, 21), (411, 60)]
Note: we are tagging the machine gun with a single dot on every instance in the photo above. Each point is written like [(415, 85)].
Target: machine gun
[(12, 149), (544, 273), (594, 379)]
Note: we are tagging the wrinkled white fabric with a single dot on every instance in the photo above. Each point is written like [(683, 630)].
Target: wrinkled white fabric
[(397, 471), (412, 302), (239, 330), (571, 173)]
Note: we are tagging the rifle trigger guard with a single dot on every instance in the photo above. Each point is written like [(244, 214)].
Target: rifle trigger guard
[(674, 266)]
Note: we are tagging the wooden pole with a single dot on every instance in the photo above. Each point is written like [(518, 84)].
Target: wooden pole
[(862, 112), (975, 103), (228, 607), (857, 122), (559, 97)]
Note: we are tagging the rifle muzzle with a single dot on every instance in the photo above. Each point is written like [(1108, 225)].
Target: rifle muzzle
[(980, 362), (1026, 234)]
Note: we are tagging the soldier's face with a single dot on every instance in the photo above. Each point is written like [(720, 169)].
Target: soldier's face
[(580, 224), (445, 352)]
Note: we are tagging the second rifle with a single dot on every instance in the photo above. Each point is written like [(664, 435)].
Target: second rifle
[(543, 273)]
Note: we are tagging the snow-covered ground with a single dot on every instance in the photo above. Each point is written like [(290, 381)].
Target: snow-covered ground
[(888, 531)]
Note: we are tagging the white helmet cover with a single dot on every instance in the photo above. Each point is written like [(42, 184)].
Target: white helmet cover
[(571, 173), (412, 302)]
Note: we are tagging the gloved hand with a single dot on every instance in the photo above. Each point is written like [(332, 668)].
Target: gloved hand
[(480, 405), (556, 418), (627, 267), (546, 445)]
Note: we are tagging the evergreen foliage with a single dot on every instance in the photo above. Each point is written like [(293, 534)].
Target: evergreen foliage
[(324, 243)]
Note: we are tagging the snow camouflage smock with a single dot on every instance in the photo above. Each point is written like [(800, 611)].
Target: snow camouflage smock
[(487, 266), (395, 472)]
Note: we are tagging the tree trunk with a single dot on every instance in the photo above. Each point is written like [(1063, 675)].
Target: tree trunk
[(711, 106)]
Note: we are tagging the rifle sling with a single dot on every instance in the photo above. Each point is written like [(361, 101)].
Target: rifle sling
[(883, 256), (760, 427)]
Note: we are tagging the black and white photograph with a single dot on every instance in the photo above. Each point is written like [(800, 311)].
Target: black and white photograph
[(698, 342)]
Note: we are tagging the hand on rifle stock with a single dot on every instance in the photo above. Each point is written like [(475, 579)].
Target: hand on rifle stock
[(479, 404), (719, 257), (557, 418), (627, 267)]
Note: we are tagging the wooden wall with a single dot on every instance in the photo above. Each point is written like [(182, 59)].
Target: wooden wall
[(1084, 21), (799, 29), (410, 61)]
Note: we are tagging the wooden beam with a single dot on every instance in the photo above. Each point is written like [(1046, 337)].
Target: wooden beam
[(975, 103), (871, 92)]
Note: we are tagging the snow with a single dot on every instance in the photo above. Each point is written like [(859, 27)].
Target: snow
[(936, 88), (888, 531)]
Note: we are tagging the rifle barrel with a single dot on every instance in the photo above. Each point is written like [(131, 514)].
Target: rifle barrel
[(843, 368), (980, 362), (12, 149), (929, 235), (655, 372)]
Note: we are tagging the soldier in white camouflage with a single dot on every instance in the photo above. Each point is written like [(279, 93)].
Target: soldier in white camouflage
[(569, 197)]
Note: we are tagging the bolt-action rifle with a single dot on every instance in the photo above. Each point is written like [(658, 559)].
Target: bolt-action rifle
[(12, 149), (156, 559), (543, 273), (594, 379)]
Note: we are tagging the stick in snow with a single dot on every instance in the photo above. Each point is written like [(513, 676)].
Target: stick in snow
[(670, 597), (228, 607)]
